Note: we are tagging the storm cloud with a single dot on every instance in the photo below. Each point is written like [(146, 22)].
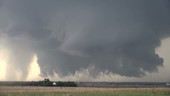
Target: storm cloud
[(117, 36)]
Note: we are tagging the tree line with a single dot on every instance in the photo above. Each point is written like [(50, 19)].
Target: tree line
[(47, 82)]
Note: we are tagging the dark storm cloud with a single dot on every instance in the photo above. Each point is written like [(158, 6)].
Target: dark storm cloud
[(115, 35)]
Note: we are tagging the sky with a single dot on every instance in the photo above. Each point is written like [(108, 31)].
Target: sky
[(85, 40)]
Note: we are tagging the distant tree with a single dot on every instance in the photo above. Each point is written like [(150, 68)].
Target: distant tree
[(47, 82)]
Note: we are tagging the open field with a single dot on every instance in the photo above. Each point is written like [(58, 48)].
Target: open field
[(81, 91)]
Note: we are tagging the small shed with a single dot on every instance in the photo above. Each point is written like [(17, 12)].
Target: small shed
[(54, 84)]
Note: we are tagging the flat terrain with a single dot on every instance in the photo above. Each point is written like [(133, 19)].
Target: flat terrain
[(81, 91)]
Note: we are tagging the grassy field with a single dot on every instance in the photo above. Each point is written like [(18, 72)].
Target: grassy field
[(81, 91)]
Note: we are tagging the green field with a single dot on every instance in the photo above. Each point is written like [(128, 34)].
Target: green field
[(82, 91)]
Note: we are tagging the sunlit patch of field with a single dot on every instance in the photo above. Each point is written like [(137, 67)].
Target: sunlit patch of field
[(81, 91)]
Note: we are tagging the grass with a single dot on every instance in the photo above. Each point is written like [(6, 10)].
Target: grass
[(82, 91)]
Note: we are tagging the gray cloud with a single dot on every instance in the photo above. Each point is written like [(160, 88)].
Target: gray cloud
[(119, 36)]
